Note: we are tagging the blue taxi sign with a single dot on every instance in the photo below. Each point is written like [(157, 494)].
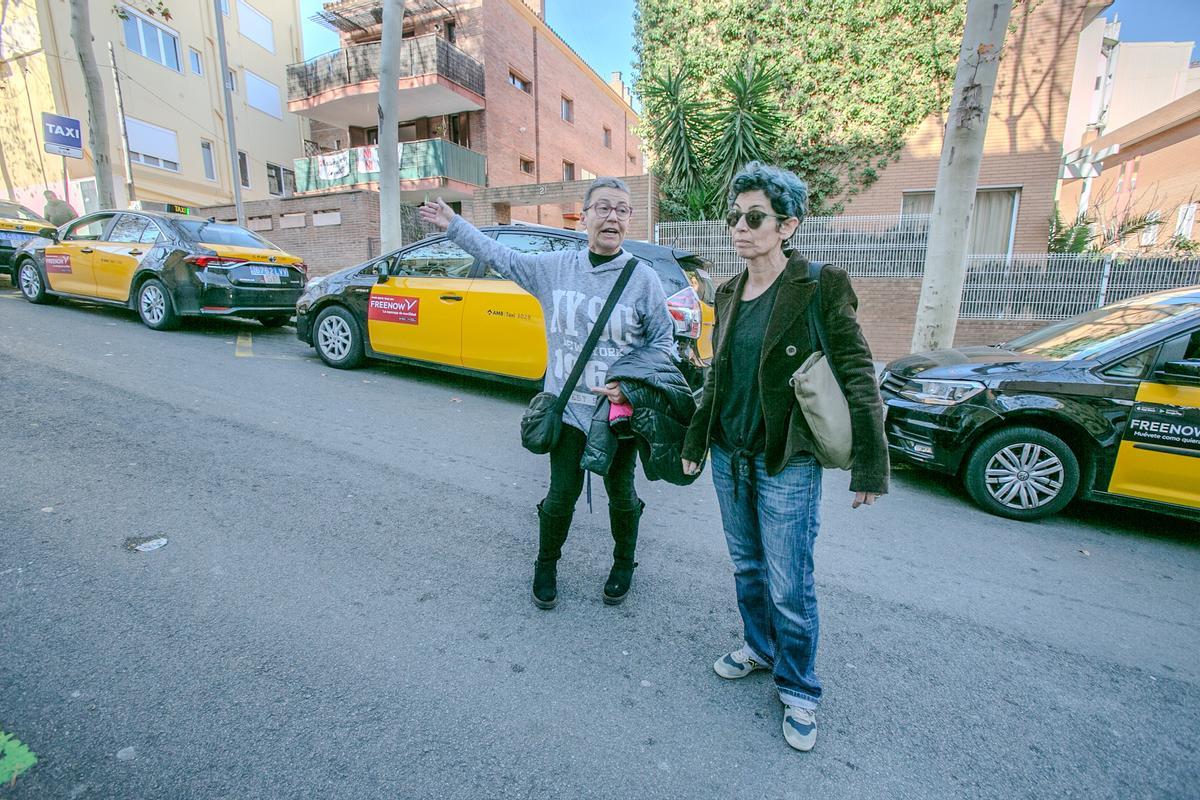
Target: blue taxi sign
[(63, 136)]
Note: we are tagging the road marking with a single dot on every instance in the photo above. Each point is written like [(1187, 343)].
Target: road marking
[(244, 347)]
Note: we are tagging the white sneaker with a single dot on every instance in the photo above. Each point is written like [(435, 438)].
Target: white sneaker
[(737, 664), (800, 727)]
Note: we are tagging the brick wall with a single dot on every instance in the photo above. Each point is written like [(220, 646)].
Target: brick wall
[(1023, 146), (324, 248)]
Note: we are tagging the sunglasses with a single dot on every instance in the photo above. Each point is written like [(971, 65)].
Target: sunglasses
[(753, 218)]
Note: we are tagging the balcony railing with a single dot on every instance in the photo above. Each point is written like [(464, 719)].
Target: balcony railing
[(428, 158), (421, 55)]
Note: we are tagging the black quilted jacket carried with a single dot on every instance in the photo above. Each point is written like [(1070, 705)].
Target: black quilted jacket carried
[(663, 407)]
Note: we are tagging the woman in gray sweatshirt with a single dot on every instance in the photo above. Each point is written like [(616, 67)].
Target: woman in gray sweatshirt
[(571, 287)]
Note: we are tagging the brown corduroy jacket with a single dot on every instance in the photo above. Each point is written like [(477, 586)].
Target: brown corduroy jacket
[(787, 344)]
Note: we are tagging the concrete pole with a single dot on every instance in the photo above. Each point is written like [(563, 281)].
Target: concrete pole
[(958, 173), (390, 232), (129, 189), (81, 35), (235, 172)]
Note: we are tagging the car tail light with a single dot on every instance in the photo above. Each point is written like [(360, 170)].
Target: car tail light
[(300, 265), (684, 307), (204, 262)]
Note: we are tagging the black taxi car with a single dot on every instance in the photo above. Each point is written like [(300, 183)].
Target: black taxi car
[(1104, 406), (164, 266), (18, 225), (431, 302)]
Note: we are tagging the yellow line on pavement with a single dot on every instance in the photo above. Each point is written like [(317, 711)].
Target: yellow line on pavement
[(244, 347)]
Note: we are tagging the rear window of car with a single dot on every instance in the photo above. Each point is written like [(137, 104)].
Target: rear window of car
[(224, 233), (14, 211), (1096, 331)]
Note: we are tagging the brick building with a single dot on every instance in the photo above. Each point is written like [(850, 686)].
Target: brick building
[(493, 96)]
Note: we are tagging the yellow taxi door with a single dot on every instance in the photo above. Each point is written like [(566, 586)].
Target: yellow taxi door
[(1159, 455), (118, 257), (69, 264), (418, 312), (504, 331)]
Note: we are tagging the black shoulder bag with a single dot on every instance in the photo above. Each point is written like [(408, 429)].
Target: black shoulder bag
[(542, 422)]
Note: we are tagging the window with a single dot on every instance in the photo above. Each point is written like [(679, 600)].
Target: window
[(1134, 367), (439, 259), (372, 135), (149, 39), (263, 95), (244, 169), (274, 179), (526, 165), (289, 182), (568, 109), (1152, 229), (607, 137), (231, 80), (568, 171), (408, 133), (88, 230), (534, 243), (197, 63), (222, 232), (210, 164), (129, 229), (324, 218), (16, 211), (451, 32), (991, 224), (255, 26), (1186, 220), (524, 84), (151, 145)]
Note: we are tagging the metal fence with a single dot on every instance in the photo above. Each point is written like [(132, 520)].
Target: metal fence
[(1043, 286), (885, 246), (1017, 286)]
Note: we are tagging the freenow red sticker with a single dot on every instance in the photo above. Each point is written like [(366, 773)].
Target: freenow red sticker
[(389, 308), (58, 262)]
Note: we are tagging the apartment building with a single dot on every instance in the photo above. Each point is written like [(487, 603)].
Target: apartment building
[(491, 96), (167, 65), (1023, 148)]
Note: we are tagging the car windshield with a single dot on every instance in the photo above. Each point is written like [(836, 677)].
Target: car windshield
[(14, 211), (223, 233), (1089, 334)]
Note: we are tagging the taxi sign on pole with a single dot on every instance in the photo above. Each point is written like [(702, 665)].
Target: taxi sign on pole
[(63, 135)]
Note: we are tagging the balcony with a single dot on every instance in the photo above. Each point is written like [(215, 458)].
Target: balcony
[(427, 166), (342, 87)]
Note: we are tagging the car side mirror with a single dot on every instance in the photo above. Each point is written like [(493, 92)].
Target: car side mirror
[(49, 233), (1181, 373), (381, 274)]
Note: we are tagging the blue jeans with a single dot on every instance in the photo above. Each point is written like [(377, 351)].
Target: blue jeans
[(770, 525)]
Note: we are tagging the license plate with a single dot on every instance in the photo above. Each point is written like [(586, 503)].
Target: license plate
[(14, 238), (266, 272)]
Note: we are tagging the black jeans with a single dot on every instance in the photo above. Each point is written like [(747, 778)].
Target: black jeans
[(566, 476)]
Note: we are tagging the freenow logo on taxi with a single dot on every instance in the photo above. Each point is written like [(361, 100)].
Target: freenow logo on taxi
[(385, 308), (58, 262)]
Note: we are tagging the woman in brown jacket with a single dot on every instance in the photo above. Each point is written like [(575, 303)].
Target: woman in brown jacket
[(767, 480)]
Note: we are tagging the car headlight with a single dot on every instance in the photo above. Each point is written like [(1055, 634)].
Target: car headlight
[(314, 282), (940, 393)]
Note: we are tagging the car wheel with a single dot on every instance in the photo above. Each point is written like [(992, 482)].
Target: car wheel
[(1022, 473), (29, 280), (337, 338), (277, 321), (155, 307)]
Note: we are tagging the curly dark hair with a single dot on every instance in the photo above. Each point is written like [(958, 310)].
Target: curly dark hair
[(786, 191)]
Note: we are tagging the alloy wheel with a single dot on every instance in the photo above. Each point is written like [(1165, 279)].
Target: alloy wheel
[(154, 305), (1024, 476), (31, 282), (334, 337)]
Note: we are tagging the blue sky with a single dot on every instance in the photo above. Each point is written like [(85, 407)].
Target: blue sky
[(604, 38)]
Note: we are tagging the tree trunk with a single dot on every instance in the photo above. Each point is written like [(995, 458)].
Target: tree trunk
[(958, 173), (390, 232), (81, 34)]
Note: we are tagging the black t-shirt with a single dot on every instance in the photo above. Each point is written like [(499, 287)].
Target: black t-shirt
[(598, 259), (740, 424)]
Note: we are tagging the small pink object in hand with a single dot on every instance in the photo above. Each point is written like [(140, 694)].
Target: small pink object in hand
[(619, 415)]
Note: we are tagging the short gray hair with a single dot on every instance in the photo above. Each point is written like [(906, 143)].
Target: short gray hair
[(605, 182)]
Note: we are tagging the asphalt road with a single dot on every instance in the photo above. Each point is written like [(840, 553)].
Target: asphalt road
[(342, 609)]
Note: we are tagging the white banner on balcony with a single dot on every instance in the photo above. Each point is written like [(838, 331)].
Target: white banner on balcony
[(367, 158), (333, 166)]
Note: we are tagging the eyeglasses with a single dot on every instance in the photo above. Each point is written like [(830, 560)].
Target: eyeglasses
[(753, 218), (604, 209)]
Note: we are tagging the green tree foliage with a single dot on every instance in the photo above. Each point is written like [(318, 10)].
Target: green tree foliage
[(15, 758), (856, 76)]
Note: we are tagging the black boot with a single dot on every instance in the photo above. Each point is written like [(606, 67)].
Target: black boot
[(624, 523), (552, 532)]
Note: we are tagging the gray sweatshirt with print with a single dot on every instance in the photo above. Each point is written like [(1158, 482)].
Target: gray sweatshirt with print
[(572, 292)]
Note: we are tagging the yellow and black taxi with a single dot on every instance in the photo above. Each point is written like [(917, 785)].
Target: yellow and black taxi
[(17, 226), (164, 266), (1104, 406), (431, 302)]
